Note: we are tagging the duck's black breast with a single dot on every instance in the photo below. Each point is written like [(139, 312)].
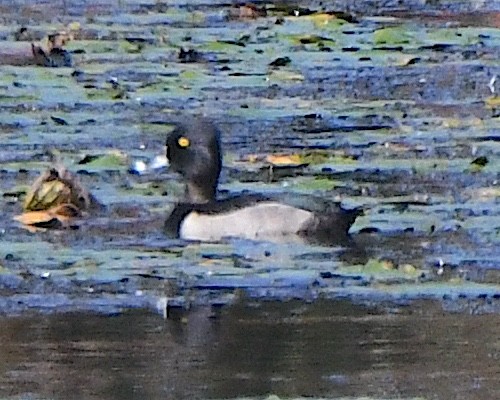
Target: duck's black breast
[(259, 217)]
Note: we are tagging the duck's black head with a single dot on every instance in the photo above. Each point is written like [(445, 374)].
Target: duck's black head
[(193, 150)]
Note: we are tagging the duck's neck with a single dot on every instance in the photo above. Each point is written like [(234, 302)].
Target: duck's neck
[(199, 194)]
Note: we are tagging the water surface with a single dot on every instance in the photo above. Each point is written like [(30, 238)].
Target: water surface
[(291, 349)]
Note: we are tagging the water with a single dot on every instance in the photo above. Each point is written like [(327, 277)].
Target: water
[(324, 349), (396, 128), (392, 127)]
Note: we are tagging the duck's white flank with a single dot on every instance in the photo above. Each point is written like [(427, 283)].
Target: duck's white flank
[(258, 221)]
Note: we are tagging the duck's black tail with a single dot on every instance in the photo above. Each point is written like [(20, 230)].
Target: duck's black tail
[(346, 218), (333, 226)]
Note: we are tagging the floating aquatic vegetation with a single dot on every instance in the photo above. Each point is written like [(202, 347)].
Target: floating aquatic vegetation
[(54, 199), (393, 112)]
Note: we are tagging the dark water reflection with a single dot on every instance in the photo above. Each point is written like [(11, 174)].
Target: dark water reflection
[(289, 349)]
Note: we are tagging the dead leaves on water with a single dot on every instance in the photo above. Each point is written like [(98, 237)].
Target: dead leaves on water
[(54, 200), (56, 217), (47, 52), (297, 159)]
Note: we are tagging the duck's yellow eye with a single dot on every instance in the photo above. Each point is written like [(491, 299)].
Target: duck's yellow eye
[(183, 142)]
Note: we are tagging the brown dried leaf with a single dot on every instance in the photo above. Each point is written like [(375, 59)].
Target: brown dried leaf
[(253, 158), (58, 186), (58, 40), (64, 212), (284, 159), (274, 159), (34, 217), (39, 55), (247, 11), (55, 217)]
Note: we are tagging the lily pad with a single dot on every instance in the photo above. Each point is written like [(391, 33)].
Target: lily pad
[(112, 160), (392, 35)]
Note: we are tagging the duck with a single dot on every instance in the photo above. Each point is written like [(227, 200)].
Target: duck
[(193, 150)]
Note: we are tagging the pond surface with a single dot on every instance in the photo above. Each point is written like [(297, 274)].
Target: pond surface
[(293, 349), (394, 109), (385, 110)]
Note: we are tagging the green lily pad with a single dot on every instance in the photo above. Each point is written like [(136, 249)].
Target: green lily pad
[(392, 35), (106, 161)]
